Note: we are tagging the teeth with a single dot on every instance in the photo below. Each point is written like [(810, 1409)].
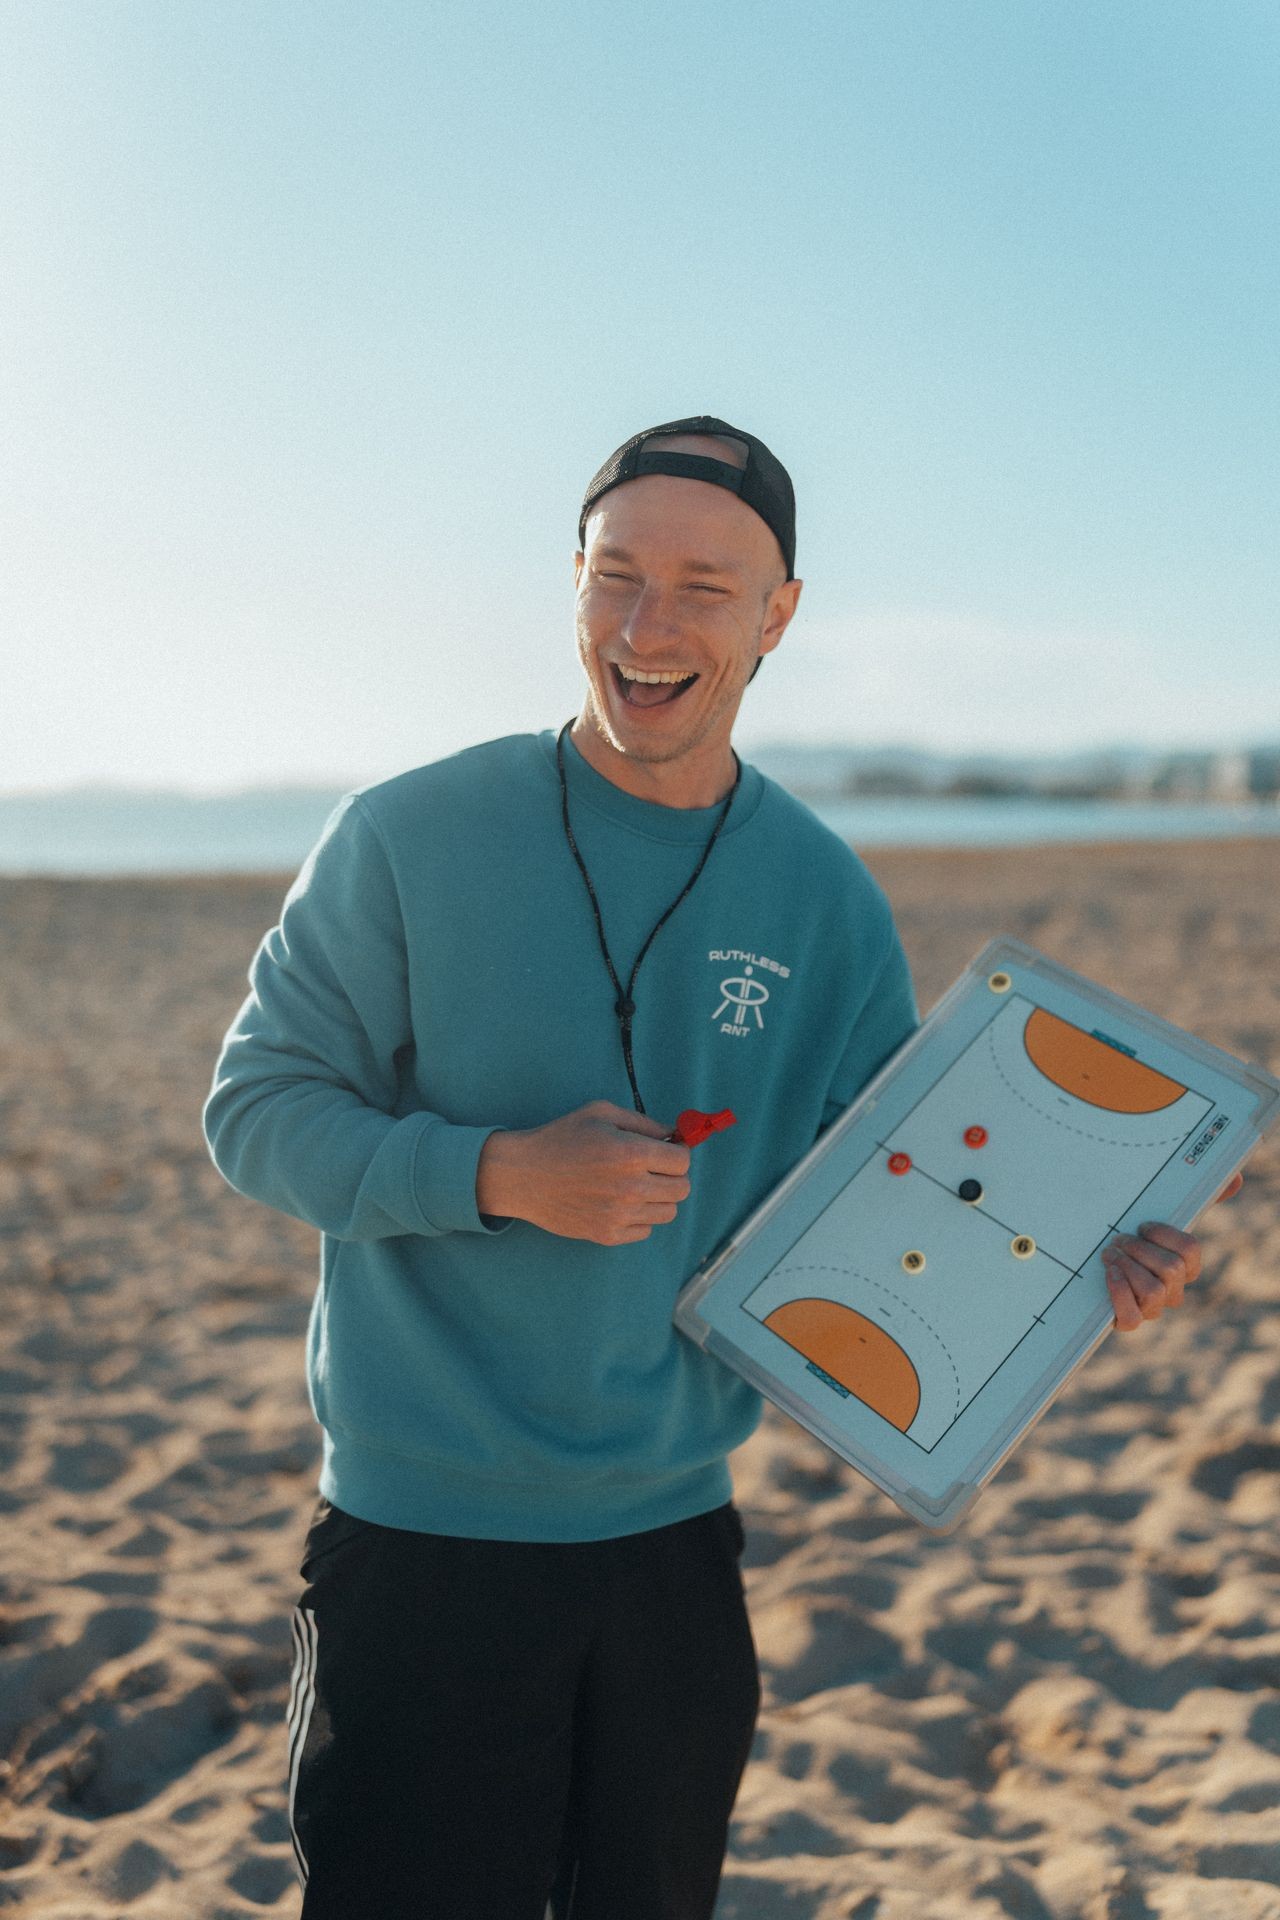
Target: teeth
[(653, 679)]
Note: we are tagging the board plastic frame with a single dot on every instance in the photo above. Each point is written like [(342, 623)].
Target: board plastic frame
[(937, 1486)]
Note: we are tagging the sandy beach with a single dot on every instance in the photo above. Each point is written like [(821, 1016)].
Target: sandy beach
[(1069, 1709)]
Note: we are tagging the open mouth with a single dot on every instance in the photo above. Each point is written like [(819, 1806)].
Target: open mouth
[(649, 693)]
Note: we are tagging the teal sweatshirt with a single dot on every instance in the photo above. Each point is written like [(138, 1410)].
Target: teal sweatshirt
[(436, 974)]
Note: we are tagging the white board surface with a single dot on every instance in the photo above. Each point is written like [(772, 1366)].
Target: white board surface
[(924, 1283)]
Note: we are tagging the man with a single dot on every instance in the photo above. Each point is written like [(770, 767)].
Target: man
[(524, 1669)]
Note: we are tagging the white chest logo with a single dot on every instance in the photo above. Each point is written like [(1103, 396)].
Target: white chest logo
[(743, 994), (746, 996)]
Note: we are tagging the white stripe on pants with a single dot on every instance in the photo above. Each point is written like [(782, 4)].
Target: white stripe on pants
[(302, 1697)]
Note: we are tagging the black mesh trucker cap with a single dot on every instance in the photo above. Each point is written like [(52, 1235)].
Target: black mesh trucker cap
[(763, 483)]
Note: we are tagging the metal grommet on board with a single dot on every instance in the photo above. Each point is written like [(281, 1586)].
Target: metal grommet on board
[(1022, 1246), (1000, 982), (913, 1261)]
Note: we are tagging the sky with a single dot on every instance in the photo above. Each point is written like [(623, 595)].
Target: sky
[(316, 319)]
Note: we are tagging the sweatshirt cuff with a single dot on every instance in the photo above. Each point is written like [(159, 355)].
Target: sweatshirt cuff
[(443, 1177)]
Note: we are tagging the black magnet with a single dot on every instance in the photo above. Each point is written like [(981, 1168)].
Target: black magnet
[(970, 1189)]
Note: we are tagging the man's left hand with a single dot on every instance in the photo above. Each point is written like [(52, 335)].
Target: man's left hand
[(1147, 1271)]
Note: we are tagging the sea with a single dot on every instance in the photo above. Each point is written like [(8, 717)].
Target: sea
[(107, 831)]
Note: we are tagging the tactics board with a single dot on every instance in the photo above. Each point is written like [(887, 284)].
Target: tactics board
[(919, 1288)]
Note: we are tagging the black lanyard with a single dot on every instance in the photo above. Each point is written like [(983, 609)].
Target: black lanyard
[(624, 1006)]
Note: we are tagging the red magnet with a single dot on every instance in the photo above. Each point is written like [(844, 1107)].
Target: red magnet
[(899, 1163), (693, 1127), (975, 1136)]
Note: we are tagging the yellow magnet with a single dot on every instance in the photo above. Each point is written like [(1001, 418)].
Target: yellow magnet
[(1022, 1246), (913, 1261)]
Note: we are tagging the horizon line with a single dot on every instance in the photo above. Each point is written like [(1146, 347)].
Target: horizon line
[(315, 783)]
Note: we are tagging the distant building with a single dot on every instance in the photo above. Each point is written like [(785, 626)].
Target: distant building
[(1264, 773), (1181, 776), (975, 785), (1228, 778), (1135, 782), (892, 782)]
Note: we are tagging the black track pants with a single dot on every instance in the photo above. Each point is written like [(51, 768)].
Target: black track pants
[(496, 1729)]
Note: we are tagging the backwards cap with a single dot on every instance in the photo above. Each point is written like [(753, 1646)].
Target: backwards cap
[(763, 483)]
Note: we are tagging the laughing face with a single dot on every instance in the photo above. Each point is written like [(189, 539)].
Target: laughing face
[(680, 589)]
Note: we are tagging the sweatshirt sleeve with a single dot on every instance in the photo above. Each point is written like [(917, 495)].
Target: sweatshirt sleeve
[(299, 1112), (889, 1016)]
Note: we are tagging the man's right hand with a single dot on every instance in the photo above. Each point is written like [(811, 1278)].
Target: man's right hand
[(600, 1173)]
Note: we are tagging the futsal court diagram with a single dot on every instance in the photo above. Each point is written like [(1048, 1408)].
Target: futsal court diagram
[(962, 1229)]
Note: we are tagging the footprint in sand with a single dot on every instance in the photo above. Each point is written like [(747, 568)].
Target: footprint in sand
[(1218, 1474), (35, 1683), (133, 1871), (108, 1754), (263, 1878)]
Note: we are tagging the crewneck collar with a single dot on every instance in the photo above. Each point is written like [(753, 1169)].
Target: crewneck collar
[(683, 825)]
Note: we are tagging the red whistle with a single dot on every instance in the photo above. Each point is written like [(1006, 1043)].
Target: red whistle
[(692, 1127)]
